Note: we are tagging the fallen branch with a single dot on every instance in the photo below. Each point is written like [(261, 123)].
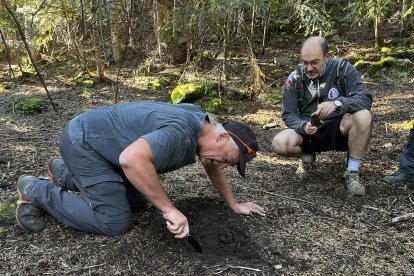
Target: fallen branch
[(237, 267), (403, 218), (282, 196)]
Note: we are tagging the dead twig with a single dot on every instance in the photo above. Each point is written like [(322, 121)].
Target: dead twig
[(375, 209), (403, 218), (85, 268), (282, 196), (236, 267), (411, 200)]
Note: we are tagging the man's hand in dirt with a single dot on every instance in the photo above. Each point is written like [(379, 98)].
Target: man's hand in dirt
[(249, 208), (177, 223)]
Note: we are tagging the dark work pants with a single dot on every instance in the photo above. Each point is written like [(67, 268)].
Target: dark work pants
[(86, 201), (407, 156)]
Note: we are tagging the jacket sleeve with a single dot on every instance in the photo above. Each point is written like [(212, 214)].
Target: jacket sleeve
[(290, 106), (357, 95)]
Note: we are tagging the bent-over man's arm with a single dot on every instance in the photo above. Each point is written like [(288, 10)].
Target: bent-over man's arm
[(137, 163), (219, 181)]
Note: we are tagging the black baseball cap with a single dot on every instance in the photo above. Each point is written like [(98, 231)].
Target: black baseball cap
[(245, 139)]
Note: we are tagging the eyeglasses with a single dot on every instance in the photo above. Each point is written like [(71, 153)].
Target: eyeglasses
[(312, 63), (250, 153)]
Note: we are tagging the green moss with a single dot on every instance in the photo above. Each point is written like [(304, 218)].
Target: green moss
[(30, 105), (215, 104), (5, 85), (7, 212), (386, 50), (158, 83), (409, 125), (188, 92), (402, 53), (391, 67), (8, 207), (86, 94), (361, 64), (82, 78)]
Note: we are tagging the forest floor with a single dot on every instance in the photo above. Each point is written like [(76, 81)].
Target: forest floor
[(312, 227)]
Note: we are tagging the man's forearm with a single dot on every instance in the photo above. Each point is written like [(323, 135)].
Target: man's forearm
[(218, 179), (136, 162)]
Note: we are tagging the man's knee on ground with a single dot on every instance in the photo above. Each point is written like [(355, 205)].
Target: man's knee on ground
[(277, 144), (115, 226)]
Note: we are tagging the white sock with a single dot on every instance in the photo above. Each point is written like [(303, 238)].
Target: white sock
[(353, 164), (307, 157)]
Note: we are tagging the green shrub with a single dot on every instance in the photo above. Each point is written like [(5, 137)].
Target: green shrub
[(30, 105)]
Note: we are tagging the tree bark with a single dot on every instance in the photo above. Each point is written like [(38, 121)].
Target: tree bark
[(265, 29), (8, 55), (99, 60), (379, 36), (156, 27), (378, 31), (253, 28), (116, 32)]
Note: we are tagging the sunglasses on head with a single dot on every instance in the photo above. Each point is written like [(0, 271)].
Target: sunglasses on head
[(250, 153)]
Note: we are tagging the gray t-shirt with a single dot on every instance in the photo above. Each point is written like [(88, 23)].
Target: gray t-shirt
[(172, 131)]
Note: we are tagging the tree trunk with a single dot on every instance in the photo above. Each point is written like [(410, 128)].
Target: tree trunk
[(156, 27), (99, 60), (82, 23), (116, 32), (6, 47), (73, 38), (408, 14), (265, 30), (130, 14), (226, 34), (379, 36), (253, 28), (163, 12)]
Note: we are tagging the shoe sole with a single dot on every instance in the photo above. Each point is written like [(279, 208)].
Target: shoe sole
[(26, 219), (398, 182), (361, 193), (25, 209)]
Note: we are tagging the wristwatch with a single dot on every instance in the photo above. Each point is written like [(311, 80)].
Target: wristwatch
[(338, 105)]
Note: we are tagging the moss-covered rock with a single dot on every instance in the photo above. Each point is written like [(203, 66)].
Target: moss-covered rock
[(392, 67), (362, 64), (188, 92)]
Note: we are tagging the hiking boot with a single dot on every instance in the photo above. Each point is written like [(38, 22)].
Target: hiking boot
[(305, 166), (28, 216), (399, 178), (55, 171), (355, 188)]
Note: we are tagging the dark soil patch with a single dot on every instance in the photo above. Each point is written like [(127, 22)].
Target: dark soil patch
[(312, 227)]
